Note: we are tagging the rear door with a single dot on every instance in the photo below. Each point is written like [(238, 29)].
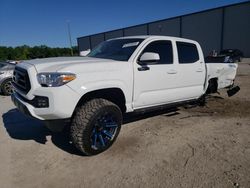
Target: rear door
[(191, 70)]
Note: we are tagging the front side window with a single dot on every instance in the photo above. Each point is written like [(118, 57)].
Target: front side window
[(187, 52), (117, 49), (163, 48)]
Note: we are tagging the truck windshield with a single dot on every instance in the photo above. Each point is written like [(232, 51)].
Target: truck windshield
[(117, 49)]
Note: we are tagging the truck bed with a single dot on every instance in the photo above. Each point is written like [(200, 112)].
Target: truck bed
[(224, 72)]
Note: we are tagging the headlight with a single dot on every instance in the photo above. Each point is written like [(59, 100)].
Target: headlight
[(54, 79)]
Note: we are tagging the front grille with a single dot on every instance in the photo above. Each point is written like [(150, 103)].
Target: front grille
[(21, 80)]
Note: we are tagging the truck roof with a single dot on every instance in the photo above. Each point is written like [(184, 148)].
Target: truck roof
[(153, 37)]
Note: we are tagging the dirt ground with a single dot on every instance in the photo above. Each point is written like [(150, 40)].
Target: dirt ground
[(194, 147)]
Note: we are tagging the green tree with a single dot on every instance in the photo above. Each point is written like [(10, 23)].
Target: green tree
[(25, 52)]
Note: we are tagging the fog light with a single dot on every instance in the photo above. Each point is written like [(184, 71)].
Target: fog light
[(41, 102)]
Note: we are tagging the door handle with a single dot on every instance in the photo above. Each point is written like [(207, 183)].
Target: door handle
[(144, 68), (172, 71), (199, 70)]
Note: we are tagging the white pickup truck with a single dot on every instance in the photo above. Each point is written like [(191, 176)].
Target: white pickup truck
[(121, 75)]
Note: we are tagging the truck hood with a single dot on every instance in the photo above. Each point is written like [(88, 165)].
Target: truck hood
[(72, 64)]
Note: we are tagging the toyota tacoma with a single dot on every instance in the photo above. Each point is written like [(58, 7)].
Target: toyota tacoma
[(91, 94)]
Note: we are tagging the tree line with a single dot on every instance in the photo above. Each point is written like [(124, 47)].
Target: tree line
[(26, 52)]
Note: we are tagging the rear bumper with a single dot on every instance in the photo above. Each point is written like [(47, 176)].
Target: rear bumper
[(233, 90)]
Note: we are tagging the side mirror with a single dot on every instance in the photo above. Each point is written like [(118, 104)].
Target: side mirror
[(149, 57), (85, 52)]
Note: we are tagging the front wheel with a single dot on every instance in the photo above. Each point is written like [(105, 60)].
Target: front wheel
[(95, 126)]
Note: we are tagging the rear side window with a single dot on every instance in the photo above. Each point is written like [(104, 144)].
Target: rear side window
[(163, 48), (187, 52)]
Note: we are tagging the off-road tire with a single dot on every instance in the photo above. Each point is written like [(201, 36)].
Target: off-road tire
[(83, 122), (5, 87)]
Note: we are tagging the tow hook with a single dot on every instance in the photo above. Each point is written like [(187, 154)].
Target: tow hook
[(233, 90)]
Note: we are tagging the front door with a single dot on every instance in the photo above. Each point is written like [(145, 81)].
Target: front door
[(155, 82)]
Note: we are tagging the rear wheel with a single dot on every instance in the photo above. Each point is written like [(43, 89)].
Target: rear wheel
[(7, 87), (95, 126)]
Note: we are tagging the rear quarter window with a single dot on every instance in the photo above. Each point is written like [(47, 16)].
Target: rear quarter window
[(187, 52)]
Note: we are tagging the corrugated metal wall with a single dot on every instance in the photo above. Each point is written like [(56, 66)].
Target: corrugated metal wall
[(205, 28), (216, 29), (236, 32), (169, 27), (114, 34)]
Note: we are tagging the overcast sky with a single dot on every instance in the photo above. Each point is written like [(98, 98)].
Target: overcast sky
[(37, 22)]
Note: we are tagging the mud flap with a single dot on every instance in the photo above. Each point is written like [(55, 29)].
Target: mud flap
[(232, 91)]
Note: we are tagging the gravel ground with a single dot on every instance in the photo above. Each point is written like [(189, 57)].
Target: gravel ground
[(192, 147)]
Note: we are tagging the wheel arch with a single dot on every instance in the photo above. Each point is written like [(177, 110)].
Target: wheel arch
[(113, 94), (212, 85)]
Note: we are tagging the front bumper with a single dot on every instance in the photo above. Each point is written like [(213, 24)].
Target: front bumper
[(21, 107), (56, 125), (62, 102)]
